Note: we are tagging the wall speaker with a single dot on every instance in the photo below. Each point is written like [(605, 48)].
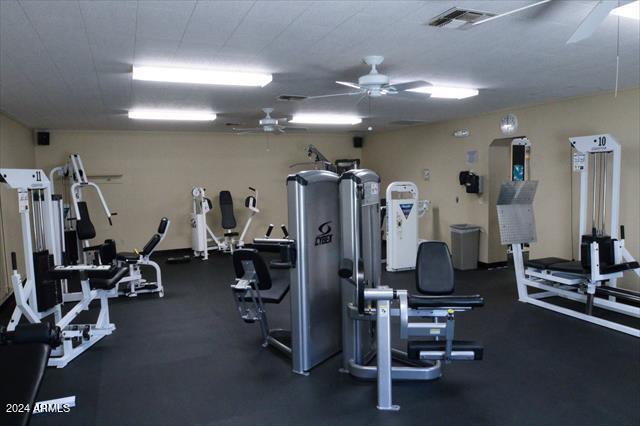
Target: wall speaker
[(357, 142), (42, 138)]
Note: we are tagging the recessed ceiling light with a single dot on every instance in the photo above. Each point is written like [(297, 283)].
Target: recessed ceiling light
[(199, 76), (325, 119), (446, 92), (171, 115), (629, 10)]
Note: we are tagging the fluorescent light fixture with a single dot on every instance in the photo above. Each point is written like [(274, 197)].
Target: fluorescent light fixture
[(171, 115), (325, 119), (629, 10), (446, 92), (199, 76)]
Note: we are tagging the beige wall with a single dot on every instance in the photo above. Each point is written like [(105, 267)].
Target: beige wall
[(403, 154), (158, 169), (16, 151)]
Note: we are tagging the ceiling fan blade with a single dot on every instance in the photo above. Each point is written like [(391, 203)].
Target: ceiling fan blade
[(248, 130), (400, 87), (592, 21), (334, 95), (511, 12), (294, 129), (349, 84)]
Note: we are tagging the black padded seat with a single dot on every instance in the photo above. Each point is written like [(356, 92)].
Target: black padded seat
[(22, 367), (544, 262), (474, 301), (568, 267), (277, 292), (620, 267), (100, 282), (129, 257), (416, 346), (24, 354), (98, 279)]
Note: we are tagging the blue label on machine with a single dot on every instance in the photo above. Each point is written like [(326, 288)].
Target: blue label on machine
[(518, 172), (406, 209)]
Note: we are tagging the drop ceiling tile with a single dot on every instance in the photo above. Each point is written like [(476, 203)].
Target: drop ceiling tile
[(106, 20), (163, 20), (157, 52), (330, 13), (214, 22), (279, 12)]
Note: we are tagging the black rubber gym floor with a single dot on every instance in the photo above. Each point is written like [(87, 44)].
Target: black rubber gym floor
[(188, 359)]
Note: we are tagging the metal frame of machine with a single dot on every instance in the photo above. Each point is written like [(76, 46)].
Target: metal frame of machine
[(597, 285), (34, 203), (366, 300)]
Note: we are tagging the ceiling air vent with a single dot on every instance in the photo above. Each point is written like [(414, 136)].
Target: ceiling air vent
[(291, 98), (456, 18)]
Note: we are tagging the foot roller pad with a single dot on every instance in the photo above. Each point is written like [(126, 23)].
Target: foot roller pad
[(433, 351)]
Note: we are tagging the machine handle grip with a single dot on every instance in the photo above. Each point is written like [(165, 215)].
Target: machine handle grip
[(253, 189), (284, 231), (622, 232), (14, 261), (269, 230)]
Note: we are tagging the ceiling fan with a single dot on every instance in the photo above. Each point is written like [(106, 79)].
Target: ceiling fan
[(268, 124), (587, 27), (375, 84)]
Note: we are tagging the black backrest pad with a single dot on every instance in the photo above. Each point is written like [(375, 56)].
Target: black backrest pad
[(151, 244), (226, 209), (260, 267), (164, 222), (434, 270), (108, 252), (84, 227)]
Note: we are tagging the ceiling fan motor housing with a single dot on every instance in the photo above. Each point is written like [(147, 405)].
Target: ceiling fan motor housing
[(373, 83), (268, 122)]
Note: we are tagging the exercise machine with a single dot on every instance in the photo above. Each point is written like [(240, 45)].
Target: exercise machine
[(201, 234), (229, 223), (335, 225), (134, 283), (403, 209), (72, 229), (315, 291), (603, 257), (24, 353), (368, 303), (39, 295), (320, 162), (279, 245)]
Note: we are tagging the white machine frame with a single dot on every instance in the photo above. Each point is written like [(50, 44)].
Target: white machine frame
[(582, 287), (135, 283), (201, 233), (24, 181), (402, 227)]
